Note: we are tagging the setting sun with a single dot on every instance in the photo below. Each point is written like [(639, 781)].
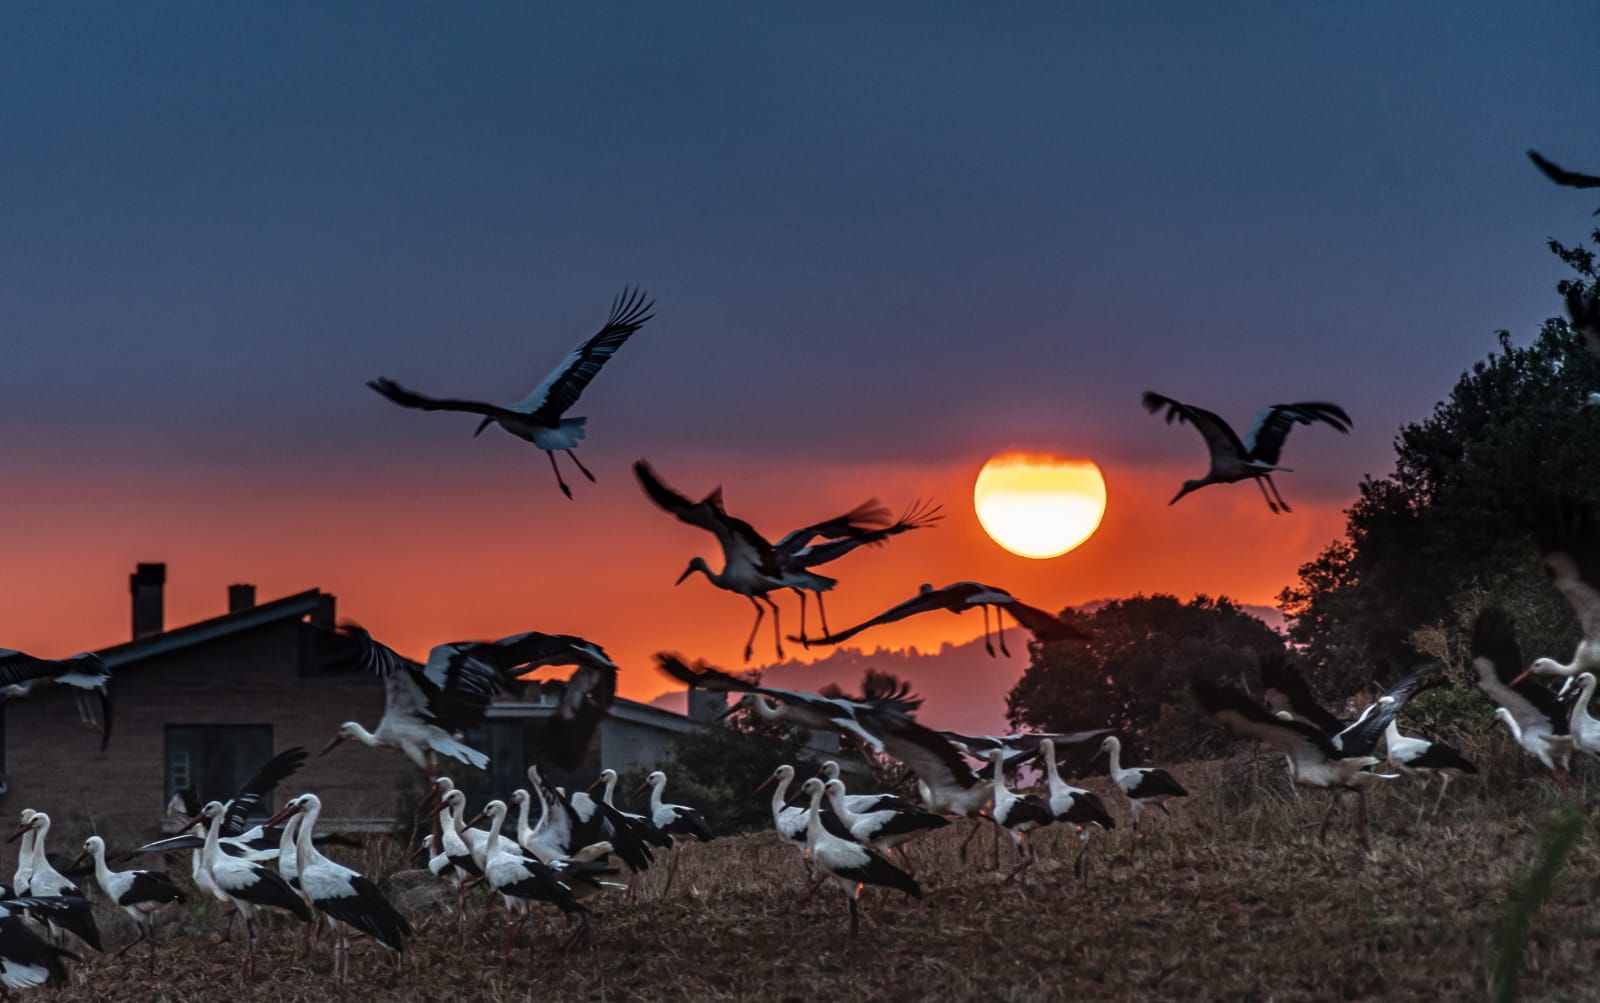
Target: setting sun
[(1037, 505)]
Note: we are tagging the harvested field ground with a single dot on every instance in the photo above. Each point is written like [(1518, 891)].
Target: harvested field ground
[(1217, 903)]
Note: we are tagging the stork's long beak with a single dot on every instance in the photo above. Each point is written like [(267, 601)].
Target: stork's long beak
[(481, 426), (1181, 492), (597, 783), (686, 573), (282, 814), (431, 801), (24, 827), (80, 858), (771, 778), (477, 818), (1524, 674), (329, 747), (641, 789), (422, 847)]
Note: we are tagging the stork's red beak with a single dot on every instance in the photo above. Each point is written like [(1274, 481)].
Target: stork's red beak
[(597, 782), (329, 747), (477, 818), (1524, 674), (771, 779), (283, 813), (24, 827)]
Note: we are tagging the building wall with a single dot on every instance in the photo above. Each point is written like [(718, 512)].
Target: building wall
[(54, 763)]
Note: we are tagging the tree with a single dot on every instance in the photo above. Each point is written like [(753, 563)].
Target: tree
[(1448, 529), (1137, 665)]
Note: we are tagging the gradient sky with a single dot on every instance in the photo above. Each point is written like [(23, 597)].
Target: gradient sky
[(884, 243)]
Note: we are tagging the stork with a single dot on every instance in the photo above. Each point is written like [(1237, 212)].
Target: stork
[(579, 827), (754, 567), (1585, 728), (21, 674), (945, 783), (790, 819), (885, 829), (962, 596), (1562, 176), (851, 865), (45, 881), (1074, 806), (862, 804), (1314, 758), (26, 959), (346, 897), (644, 827), (1569, 543), (538, 417), (1140, 784), (523, 880), (1255, 457), (1532, 714), (1017, 814), (249, 885), (680, 822), (141, 894), (464, 866), (1421, 757), (1288, 693), (817, 711)]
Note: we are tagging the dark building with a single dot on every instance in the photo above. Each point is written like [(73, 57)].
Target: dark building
[(203, 705)]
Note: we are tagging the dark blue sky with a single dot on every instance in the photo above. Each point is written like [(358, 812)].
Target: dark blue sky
[(872, 233)]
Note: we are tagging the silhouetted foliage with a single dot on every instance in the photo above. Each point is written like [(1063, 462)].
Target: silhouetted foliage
[(1450, 522), (1134, 676)]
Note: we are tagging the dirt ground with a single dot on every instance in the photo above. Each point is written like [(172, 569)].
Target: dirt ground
[(1216, 903)]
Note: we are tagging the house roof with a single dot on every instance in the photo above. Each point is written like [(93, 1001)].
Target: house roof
[(292, 607)]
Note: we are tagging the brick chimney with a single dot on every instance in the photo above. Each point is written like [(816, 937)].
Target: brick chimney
[(147, 584), (241, 597)]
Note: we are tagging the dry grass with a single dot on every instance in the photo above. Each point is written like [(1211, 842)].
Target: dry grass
[(1233, 899)]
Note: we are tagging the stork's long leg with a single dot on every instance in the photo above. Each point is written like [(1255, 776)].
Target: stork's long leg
[(823, 613), (975, 829), (574, 458), (132, 942), (804, 641), (1283, 506), (986, 645), (564, 489), (777, 632), (1261, 482), (1000, 631), (750, 642), (1445, 778)]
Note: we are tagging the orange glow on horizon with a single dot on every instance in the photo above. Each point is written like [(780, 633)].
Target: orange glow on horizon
[(1037, 505)]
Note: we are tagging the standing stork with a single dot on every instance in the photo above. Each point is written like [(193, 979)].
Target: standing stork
[(1531, 713), (864, 804), (522, 880), (1419, 756), (945, 783), (962, 596), (249, 885), (885, 829), (1017, 814), (851, 865), (141, 894), (45, 881), (1255, 457), (1140, 783), (1073, 806), (538, 417), (754, 567), (1314, 759), (680, 822), (346, 897), (1568, 534), (645, 828)]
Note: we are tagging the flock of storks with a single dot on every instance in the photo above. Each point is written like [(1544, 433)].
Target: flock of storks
[(580, 844)]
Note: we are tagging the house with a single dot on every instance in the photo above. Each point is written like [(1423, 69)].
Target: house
[(201, 706)]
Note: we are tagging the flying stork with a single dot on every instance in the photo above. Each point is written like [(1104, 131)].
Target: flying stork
[(945, 783), (427, 705), (1140, 783), (1562, 176), (1287, 692), (1531, 713), (1072, 805), (249, 885), (1255, 457), (537, 418), (347, 898), (21, 674), (962, 596), (1568, 534), (680, 822), (141, 894), (817, 711), (754, 567), (1315, 760), (851, 865), (1419, 756)]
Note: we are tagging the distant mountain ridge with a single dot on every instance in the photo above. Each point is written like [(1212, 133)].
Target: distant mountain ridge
[(962, 688)]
